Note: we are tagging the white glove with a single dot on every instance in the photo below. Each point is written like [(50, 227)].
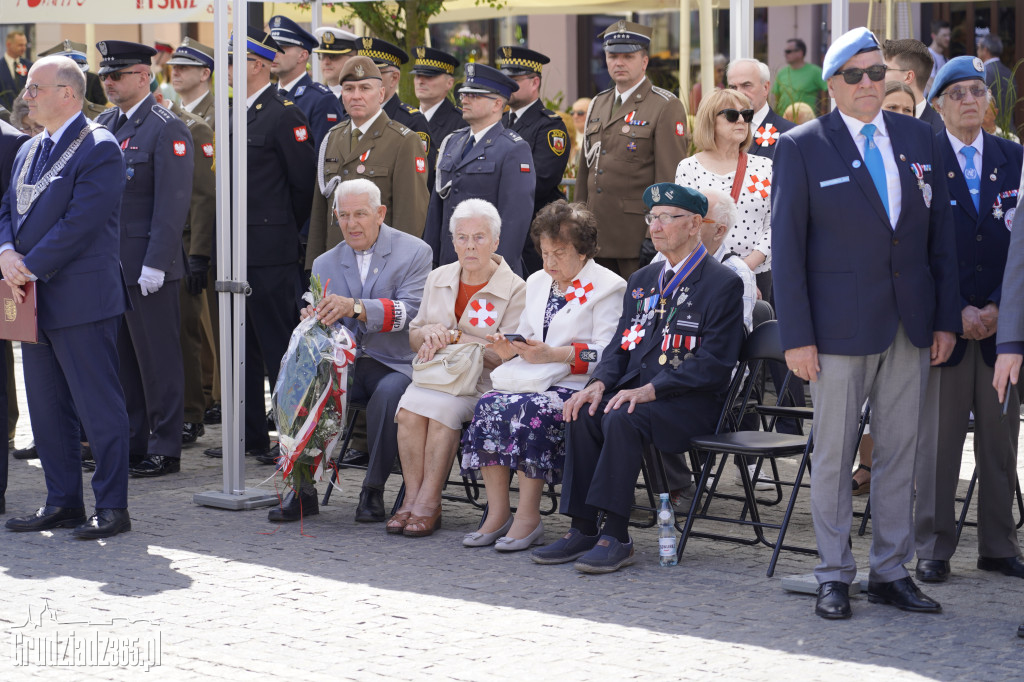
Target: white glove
[(151, 280)]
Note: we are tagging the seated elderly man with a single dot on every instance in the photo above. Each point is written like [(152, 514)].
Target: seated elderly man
[(662, 379), (374, 283)]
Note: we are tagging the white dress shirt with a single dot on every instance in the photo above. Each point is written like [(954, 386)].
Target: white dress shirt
[(958, 149)]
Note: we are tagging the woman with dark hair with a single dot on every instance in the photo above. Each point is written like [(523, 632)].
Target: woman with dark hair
[(572, 307), (899, 98)]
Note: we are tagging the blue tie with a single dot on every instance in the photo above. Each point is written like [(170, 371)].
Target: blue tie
[(873, 161), (972, 176), (469, 146), (41, 158)]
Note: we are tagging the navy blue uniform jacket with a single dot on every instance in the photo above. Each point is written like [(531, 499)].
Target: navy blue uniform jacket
[(766, 136), (70, 236), (322, 108), (545, 132), (708, 304), (983, 236), (844, 279)]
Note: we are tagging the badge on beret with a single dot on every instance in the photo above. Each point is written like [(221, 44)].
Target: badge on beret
[(421, 52), (556, 141), (979, 65), (360, 71), (301, 134), (507, 51), (669, 195), (655, 194), (421, 164), (621, 26), (179, 148)]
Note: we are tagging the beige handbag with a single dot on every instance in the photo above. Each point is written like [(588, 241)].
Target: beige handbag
[(519, 376), (454, 369)]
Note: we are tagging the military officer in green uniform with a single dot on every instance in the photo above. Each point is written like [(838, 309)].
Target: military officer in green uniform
[(368, 145), (634, 137)]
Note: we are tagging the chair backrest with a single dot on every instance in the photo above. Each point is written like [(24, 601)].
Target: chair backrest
[(762, 312), (764, 343)]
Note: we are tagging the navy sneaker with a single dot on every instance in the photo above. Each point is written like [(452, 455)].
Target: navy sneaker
[(569, 547), (607, 556)]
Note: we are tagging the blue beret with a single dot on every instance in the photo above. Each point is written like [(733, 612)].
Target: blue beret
[(287, 32), (671, 194), (481, 78), (845, 47), (120, 54), (957, 69)]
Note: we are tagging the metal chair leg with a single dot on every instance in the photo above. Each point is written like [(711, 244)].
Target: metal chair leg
[(341, 454)]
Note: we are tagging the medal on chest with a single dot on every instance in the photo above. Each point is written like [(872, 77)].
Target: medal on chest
[(578, 291)]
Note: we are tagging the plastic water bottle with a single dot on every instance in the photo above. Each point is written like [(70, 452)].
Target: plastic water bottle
[(666, 533)]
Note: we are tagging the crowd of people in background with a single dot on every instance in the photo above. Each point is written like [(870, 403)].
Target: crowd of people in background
[(604, 324)]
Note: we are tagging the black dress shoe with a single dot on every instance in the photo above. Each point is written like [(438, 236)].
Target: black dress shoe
[(104, 523), (355, 457), (1011, 566), (88, 463), (3, 504), (155, 465), (46, 518), (294, 507), (833, 600), (268, 456), (191, 431), (932, 570), (26, 453), (371, 506), (904, 594), (212, 414)]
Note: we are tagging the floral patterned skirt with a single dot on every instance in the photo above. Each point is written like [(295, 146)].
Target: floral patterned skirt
[(522, 431)]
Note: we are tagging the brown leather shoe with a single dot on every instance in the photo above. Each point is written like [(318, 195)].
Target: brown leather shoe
[(397, 523), (422, 526)]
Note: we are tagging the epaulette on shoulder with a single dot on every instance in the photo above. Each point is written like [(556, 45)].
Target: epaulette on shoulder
[(409, 109), (320, 87), (189, 122), (663, 92), (399, 127), (513, 135), (554, 115), (604, 92), (163, 113)]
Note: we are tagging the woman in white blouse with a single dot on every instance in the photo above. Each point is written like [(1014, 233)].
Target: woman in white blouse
[(722, 135)]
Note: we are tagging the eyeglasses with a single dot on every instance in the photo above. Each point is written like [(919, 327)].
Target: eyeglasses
[(732, 115), (33, 90), (854, 76), (473, 95), (958, 94), (792, 50), (118, 75), (579, 113), (663, 218)]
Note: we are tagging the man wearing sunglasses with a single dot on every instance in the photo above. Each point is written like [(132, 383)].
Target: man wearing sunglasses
[(867, 296), (799, 81), (753, 79), (158, 155), (984, 177)]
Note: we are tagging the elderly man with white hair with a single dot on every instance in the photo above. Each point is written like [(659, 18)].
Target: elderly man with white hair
[(373, 284), (754, 79)]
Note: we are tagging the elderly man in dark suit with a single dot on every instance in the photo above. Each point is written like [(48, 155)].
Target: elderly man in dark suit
[(984, 175), (158, 154), (662, 380), (866, 298), (374, 281), (483, 161), (753, 79), (64, 236)]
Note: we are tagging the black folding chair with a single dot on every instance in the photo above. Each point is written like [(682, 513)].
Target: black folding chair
[(763, 344)]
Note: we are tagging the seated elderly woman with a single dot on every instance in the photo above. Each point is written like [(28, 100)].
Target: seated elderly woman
[(463, 302), (571, 309)]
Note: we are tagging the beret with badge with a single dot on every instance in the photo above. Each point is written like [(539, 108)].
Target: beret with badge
[(845, 47), (359, 69), (671, 194), (957, 69)]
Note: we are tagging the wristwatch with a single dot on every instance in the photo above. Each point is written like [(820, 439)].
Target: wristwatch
[(357, 308)]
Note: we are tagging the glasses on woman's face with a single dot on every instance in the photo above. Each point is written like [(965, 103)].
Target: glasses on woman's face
[(733, 115), (854, 76), (977, 91)]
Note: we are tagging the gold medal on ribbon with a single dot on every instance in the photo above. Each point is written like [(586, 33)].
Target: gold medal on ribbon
[(663, 359)]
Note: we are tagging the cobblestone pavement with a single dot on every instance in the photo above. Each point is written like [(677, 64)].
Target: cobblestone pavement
[(227, 595)]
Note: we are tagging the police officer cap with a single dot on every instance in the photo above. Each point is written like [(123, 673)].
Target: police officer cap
[(69, 48), (626, 36), (287, 32), (482, 79), (360, 69), (519, 61), (120, 54), (381, 52), (957, 69), (335, 40), (192, 53), (432, 62), (671, 194), (845, 47), (258, 42)]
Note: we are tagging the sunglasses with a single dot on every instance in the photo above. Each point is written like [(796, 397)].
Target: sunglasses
[(579, 113), (958, 94), (854, 76), (732, 115), (118, 75), (791, 51)]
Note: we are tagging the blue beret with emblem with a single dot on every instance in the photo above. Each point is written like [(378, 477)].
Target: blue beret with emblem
[(845, 47), (671, 194), (957, 69)]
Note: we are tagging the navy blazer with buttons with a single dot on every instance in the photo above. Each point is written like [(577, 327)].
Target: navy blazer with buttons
[(70, 235), (982, 238), (844, 278)]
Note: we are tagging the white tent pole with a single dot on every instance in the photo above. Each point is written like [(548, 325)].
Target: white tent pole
[(317, 22), (741, 29), (684, 53), (840, 22), (707, 49)]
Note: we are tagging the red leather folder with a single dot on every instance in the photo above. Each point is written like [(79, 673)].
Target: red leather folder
[(19, 321)]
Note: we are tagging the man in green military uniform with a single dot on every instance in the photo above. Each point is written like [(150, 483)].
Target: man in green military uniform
[(635, 136), (368, 145)]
